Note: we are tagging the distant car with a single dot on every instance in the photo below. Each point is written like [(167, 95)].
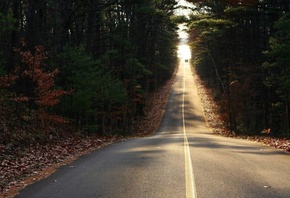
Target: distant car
[(186, 60)]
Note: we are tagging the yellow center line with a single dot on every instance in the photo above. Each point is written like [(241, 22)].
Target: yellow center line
[(189, 176)]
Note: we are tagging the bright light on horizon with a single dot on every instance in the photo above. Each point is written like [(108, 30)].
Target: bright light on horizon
[(184, 51)]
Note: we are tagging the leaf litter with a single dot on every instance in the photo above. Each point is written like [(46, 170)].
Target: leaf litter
[(20, 167), (215, 122)]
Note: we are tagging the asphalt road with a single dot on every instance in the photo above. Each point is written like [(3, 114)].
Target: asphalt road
[(183, 159)]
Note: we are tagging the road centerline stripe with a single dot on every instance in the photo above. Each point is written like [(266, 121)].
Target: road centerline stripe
[(189, 176)]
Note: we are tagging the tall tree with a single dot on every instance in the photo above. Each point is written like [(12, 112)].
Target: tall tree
[(110, 52), (233, 55), (278, 68)]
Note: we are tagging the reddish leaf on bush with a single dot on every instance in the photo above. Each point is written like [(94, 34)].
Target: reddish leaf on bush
[(44, 90)]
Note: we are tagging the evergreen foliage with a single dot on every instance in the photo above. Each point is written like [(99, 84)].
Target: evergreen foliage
[(278, 73), (107, 54), (228, 40)]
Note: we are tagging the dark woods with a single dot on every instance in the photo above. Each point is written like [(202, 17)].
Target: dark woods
[(242, 51), (89, 63)]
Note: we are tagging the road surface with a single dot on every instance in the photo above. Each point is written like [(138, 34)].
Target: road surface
[(182, 159)]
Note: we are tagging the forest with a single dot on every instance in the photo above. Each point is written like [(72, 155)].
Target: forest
[(78, 74), (87, 66), (241, 50), (81, 66)]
